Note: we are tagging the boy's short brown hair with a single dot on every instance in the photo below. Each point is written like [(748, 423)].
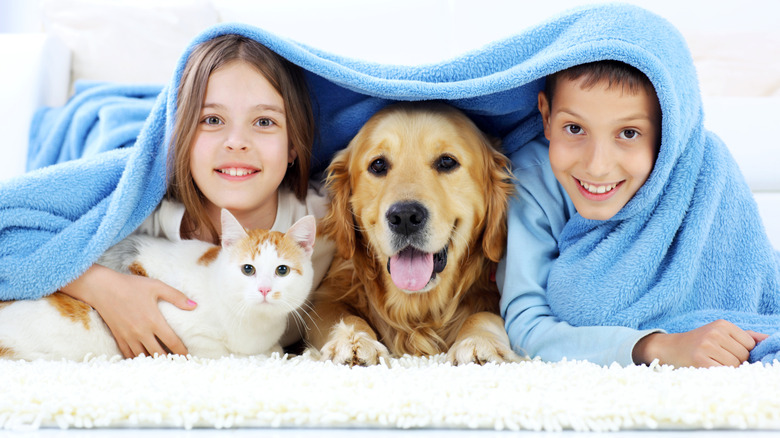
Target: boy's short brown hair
[(616, 73)]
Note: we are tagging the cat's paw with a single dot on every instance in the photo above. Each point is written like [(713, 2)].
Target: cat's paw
[(351, 347), (481, 350)]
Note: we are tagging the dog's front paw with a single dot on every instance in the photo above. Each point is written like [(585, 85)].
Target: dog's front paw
[(481, 350), (349, 346)]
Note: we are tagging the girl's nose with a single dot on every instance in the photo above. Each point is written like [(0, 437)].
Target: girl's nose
[(236, 140)]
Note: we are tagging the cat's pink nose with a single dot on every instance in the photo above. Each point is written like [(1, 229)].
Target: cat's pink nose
[(264, 290)]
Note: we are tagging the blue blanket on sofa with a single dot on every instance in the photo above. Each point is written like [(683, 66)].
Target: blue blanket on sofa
[(693, 226)]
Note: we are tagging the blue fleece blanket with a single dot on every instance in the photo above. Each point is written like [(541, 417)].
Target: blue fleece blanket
[(687, 249)]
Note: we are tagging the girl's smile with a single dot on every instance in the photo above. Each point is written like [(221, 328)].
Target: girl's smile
[(237, 172), (241, 149)]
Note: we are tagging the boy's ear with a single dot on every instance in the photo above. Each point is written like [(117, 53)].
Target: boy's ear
[(544, 109)]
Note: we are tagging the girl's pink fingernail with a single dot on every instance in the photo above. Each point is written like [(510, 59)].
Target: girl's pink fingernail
[(192, 303)]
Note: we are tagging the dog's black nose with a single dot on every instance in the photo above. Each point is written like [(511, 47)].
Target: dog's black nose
[(406, 218)]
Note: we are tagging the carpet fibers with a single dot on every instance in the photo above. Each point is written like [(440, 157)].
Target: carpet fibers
[(408, 392)]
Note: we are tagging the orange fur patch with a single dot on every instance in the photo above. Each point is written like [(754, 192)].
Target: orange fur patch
[(5, 304), (210, 255), (137, 269), (6, 352), (69, 307), (287, 248)]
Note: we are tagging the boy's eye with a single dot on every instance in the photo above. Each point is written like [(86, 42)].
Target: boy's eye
[(282, 270), (248, 270), (265, 123), (629, 134), (573, 129)]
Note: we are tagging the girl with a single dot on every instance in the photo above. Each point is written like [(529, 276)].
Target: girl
[(241, 140)]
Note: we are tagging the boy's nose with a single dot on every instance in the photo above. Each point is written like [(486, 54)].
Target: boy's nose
[(599, 159)]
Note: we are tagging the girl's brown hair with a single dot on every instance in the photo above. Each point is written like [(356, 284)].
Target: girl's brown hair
[(286, 78)]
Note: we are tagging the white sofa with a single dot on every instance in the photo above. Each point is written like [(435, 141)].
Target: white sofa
[(736, 49)]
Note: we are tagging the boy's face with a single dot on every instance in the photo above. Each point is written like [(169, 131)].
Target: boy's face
[(603, 143)]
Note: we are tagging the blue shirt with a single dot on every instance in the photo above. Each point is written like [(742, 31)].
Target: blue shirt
[(537, 214)]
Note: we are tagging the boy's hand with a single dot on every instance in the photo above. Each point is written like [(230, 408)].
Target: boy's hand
[(717, 343), (128, 305)]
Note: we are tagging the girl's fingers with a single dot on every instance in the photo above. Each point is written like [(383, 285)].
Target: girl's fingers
[(125, 349), (172, 342), (175, 297)]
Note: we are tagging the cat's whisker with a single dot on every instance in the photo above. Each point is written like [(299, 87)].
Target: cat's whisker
[(300, 323)]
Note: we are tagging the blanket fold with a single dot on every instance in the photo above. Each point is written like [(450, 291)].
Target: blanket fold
[(693, 226)]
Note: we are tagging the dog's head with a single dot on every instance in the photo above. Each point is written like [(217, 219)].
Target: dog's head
[(421, 186)]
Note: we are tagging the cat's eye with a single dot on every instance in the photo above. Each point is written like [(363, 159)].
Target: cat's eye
[(282, 270), (248, 270)]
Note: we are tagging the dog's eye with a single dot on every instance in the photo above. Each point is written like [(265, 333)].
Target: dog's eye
[(378, 167), (446, 163)]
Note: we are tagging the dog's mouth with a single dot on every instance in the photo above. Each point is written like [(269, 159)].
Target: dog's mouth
[(412, 269)]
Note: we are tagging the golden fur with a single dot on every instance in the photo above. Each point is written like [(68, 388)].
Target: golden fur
[(361, 310)]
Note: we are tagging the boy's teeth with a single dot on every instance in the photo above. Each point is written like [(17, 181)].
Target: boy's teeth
[(597, 189)]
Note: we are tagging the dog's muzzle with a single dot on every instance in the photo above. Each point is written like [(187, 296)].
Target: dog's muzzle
[(410, 268)]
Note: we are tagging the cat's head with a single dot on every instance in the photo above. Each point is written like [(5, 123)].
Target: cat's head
[(272, 270)]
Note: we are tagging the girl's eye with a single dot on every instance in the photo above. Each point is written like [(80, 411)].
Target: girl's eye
[(212, 120), (282, 270), (248, 270), (629, 134), (573, 129), (265, 123), (378, 167)]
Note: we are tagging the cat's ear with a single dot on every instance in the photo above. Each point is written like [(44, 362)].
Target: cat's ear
[(304, 231), (232, 231)]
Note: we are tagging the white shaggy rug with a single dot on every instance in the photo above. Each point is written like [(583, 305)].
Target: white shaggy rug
[(406, 393)]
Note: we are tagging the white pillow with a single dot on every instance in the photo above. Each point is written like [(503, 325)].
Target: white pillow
[(130, 41)]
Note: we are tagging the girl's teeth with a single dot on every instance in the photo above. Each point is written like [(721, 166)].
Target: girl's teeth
[(235, 172), (597, 189)]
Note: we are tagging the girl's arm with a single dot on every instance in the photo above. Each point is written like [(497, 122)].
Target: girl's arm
[(128, 305)]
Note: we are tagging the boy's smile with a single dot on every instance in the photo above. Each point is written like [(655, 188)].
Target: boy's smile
[(603, 143)]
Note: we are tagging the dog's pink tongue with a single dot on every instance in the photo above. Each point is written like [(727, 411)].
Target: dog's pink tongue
[(411, 269)]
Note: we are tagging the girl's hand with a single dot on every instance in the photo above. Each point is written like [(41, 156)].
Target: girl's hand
[(128, 305), (717, 343)]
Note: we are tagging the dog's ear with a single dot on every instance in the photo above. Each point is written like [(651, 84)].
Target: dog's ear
[(501, 188), (339, 223)]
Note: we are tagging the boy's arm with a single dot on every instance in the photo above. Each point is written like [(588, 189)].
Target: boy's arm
[(536, 216)]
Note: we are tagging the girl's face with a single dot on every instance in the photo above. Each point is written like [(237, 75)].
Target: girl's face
[(603, 144), (240, 151)]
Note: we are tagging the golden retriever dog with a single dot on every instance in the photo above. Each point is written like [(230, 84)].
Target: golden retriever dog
[(419, 200)]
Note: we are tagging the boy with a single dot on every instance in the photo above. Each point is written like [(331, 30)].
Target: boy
[(603, 123)]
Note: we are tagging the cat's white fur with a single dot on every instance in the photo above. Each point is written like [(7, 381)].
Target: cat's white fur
[(232, 316)]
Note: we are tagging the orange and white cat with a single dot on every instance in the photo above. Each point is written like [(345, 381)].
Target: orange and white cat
[(244, 288)]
